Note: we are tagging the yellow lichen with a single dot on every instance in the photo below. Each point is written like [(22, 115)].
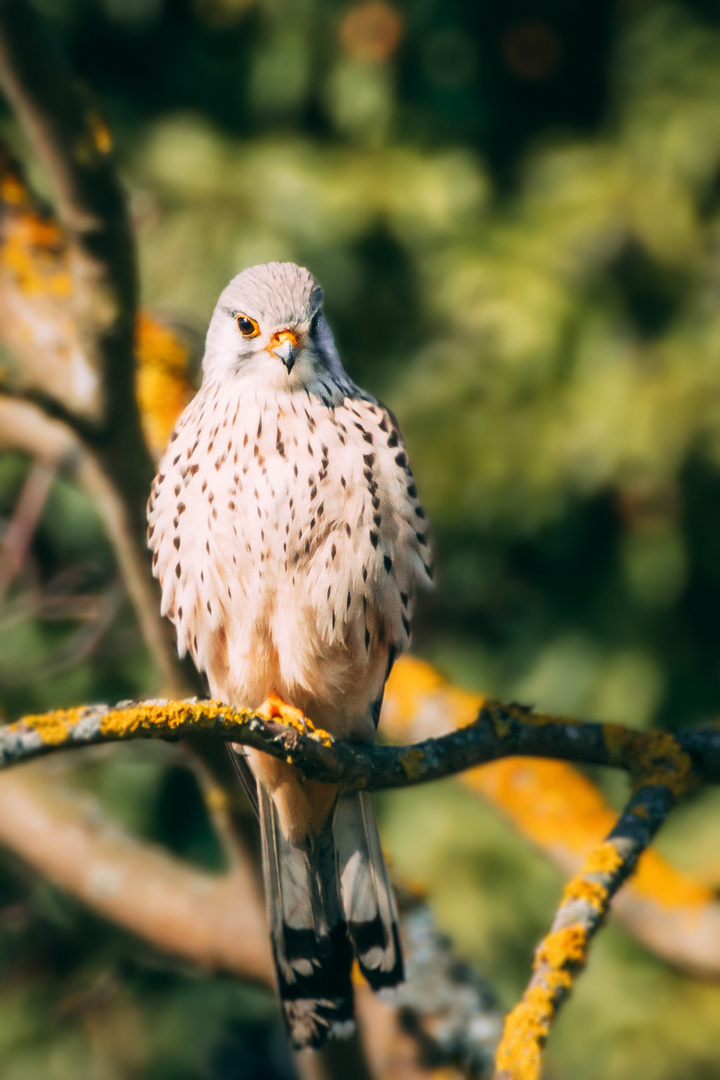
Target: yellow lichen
[(605, 859), (563, 948), (500, 725), (527, 1025), (54, 727), (524, 1034), (590, 892), (171, 715), (653, 757)]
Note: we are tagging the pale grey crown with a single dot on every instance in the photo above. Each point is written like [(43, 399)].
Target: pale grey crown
[(276, 293)]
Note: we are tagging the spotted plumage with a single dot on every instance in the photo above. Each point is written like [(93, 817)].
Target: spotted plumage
[(289, 540)]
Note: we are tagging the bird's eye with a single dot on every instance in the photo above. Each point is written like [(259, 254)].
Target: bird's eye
[(247, 326)]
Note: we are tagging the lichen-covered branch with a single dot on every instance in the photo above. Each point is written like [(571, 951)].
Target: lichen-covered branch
[(563, 952), (560, 810), (499, 731)]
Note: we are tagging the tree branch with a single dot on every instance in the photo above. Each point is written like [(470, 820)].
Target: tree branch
[(213, 922), (499, 731), (74, 146), (563, 952), (95, 244), (564, 814)]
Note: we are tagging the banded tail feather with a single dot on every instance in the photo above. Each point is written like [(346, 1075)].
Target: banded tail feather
[(366, 895), (328, 900)]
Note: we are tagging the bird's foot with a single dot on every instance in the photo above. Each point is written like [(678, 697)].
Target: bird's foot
[(274, 708)]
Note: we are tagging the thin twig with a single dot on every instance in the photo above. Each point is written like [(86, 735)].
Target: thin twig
[(20, 531), (71, 653), (26, 428)]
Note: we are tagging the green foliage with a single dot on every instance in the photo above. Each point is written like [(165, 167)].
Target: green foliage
[(523, 261)]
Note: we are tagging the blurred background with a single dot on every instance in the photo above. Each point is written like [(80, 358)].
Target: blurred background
[(515, 211)]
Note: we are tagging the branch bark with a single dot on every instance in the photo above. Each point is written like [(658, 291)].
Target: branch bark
[(74, 146), (562, 954), (499, 731), (214, 923), (564, 814)]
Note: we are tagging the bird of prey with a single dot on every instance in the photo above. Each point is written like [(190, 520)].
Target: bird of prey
[(289, 540)]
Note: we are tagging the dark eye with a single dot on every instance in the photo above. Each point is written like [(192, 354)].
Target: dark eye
[(247, 326)]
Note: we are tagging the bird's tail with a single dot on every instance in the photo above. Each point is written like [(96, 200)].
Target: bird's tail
[(328, 899), (366, 896)]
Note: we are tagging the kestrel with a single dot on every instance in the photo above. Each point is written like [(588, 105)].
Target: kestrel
[(289, 540)]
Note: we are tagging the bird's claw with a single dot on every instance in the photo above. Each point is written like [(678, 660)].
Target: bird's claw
[(274, 708)]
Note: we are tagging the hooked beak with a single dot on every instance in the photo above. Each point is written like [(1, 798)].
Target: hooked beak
[(284, 344)]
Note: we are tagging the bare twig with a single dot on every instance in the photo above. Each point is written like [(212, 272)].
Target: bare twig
[(79, 647), (74, 144), (23, 523), (24, 427)]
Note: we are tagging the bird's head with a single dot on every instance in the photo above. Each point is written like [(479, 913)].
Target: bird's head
[(268, 326)]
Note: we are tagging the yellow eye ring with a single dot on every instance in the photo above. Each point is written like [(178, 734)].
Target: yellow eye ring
[(247, 326)]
